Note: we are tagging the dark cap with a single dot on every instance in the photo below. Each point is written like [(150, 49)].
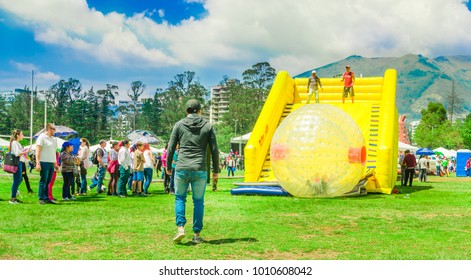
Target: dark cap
[(102, 141), (66, 144), (193, 106)]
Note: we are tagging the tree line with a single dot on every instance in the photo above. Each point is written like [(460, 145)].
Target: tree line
[(437, 130), (90, 112)]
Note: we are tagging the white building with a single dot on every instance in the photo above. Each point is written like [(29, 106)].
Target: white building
[(219, 102)]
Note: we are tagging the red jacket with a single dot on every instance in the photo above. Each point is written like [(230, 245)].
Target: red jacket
[(410, 161)]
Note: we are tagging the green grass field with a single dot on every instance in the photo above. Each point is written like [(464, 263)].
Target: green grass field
[(428, 221)]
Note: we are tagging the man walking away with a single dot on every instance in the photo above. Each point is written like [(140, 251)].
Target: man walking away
[(193, 134)]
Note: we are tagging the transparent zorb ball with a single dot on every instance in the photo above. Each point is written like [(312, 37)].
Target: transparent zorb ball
[(318, 151)]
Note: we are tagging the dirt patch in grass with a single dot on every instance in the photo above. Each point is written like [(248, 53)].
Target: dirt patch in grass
[(434, 215), (314, 255), (7, 257)]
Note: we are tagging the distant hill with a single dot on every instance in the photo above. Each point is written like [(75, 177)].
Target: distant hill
[(420, 79)]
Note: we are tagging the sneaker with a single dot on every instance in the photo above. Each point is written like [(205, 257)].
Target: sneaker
[(65, 199), (72, 198), (179, 236), (197, 239), (42, 201), (123, 196), (13, 201), (53, 201)]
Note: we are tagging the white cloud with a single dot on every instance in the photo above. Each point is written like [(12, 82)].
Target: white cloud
[(293, 35), (161, 13), (21, 66), (38, 74), (49, 76)]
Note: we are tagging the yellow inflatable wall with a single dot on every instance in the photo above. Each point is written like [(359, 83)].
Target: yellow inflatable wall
[(374, 111)]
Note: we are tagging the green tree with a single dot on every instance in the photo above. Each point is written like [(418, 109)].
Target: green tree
[(151, 111), (60, 97), (105, 97), (259, 78), (19, 112), (5, 122), (465, 131), (245, 101), (172, 100), (137, 88), (435, 130)]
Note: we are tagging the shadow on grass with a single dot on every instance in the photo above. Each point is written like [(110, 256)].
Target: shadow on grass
[(222, 241), (413, 189)]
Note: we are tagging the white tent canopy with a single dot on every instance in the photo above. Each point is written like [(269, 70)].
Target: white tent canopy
[(242, 139), (4, 143), (107, 147), (445, 152), (403, 147)]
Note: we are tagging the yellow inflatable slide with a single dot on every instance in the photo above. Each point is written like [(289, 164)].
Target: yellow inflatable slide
[(374, 111)]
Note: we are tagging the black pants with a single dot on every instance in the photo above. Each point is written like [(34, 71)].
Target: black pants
[(24, 173), (68, 181), (409, 176)]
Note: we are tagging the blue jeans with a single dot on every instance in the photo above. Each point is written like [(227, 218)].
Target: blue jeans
[(83, 184), (101, 176), (123, 179), (147, 178), (131, 175), (229, 170), (17, 178), (47, 168), (183, 179)]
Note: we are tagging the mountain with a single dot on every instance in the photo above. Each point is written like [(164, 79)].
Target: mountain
[(420, 79)]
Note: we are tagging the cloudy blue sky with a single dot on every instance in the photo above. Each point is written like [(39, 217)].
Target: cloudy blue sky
[(120, 41)]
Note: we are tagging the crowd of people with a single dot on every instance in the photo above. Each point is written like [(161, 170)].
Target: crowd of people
[(424, 166), (131, 167)]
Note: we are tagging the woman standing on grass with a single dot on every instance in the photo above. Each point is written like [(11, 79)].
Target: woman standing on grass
[(68, 162), (17, 150), (113, 169), (148, 167), (85, 163)]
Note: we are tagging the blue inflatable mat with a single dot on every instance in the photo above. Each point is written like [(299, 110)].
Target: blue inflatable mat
[(259, 190)]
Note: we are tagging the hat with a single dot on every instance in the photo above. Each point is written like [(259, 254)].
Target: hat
[(193, 106), (102, 141), (313, 71), (347, 66), (66, 144)]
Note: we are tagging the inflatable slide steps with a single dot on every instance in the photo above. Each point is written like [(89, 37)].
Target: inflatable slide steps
[(267, 175)]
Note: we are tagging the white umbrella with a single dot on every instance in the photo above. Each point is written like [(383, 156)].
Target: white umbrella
[(143, 136), (61, 131)]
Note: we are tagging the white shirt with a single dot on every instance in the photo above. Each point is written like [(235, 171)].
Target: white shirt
[(124, 158), (49, 147), (16, 149), (147, 156), (423, 163)]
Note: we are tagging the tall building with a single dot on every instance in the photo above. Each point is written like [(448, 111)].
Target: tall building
[(8, 96), (219, 102)]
